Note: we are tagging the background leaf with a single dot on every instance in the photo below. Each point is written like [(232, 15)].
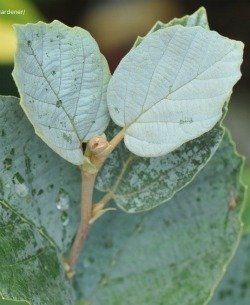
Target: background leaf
[(30, 268), (62, 78), (234, 288), (39, 184), (138, 184), (165, 95), (175, 254)]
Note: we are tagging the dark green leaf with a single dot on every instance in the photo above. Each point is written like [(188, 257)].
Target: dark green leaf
[(33, 178), (37, 183), (30, 268)]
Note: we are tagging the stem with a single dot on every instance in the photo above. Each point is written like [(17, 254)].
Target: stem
[(105, 199), (88, 181), (99, 156), (101, 204), (98, 149), (115, 141)]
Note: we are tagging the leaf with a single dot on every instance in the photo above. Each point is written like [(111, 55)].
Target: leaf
[(34, 179), (29, 263), (172, 87), (36, 183), (234, 289), (62, 78), (175, 254), (138, 184), (198, 18)]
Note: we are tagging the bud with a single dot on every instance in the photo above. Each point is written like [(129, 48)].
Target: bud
[(98, 144)]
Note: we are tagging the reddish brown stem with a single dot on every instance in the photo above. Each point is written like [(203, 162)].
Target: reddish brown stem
[(88, 181), (98, 150)]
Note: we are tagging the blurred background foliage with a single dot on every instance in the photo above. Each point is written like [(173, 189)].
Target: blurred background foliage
[(115, 24)]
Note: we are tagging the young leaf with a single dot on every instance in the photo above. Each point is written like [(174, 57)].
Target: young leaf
[(175, 254), (198, 18), (138, 184), (62, 78), (30, 268), (172, 87), (37, 183), (234, 288)]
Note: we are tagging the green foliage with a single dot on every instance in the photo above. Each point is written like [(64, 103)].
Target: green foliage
[(32, 14), (175, 254), (33, 179), (32, 182), (235, 287), (29, 264), (27, 12)]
